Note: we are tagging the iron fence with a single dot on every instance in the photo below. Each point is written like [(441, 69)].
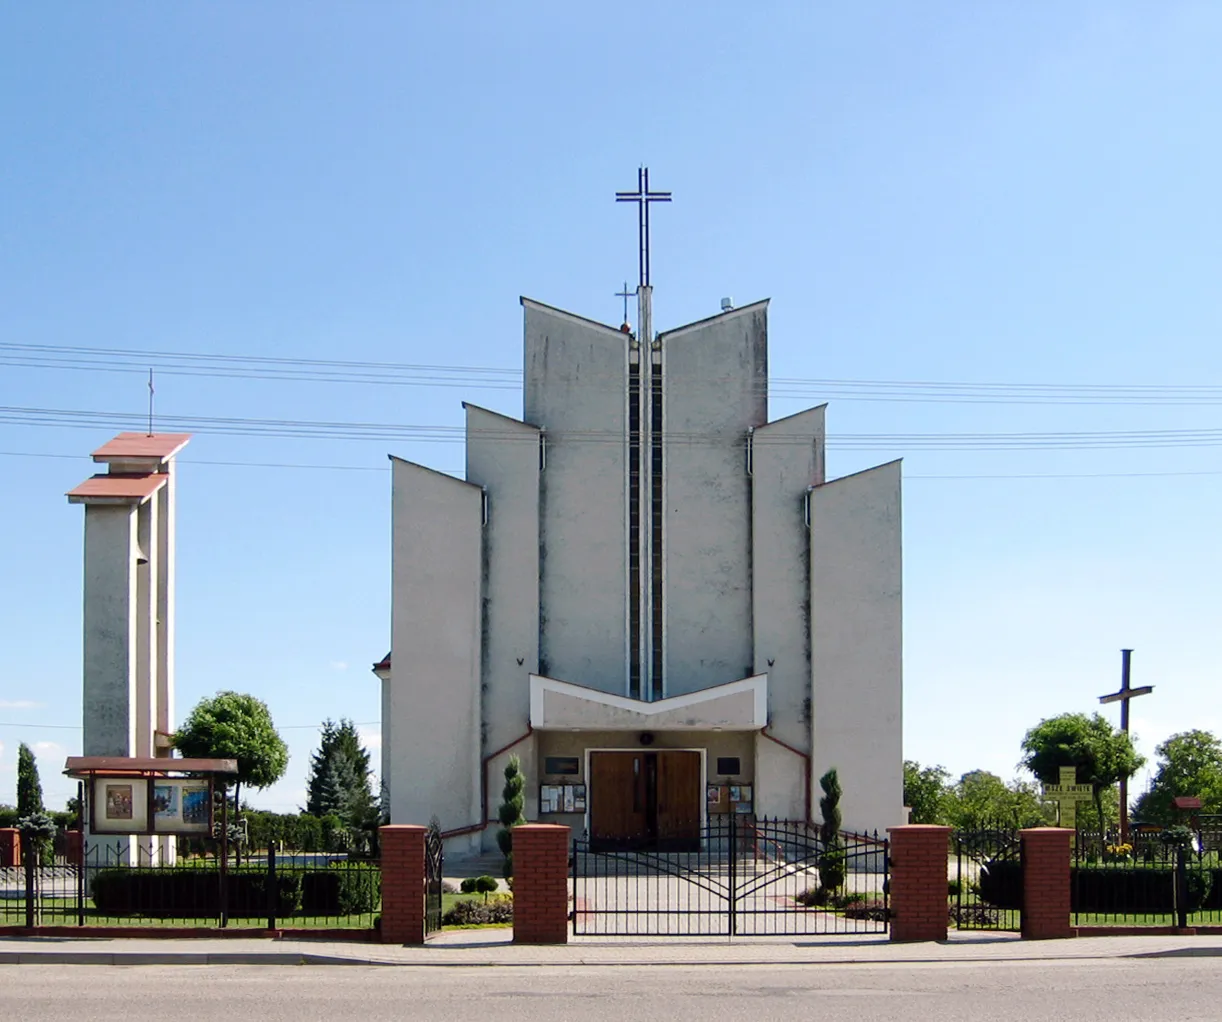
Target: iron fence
[(741, 877), (1151, 880), (986, 892), (134, 883)]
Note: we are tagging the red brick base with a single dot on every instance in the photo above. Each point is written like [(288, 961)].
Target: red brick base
[(402, 883), (540, 884), (918, 882), (10, 846), (1046, 908)]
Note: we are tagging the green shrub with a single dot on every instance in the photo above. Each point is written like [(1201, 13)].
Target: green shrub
[(1135, 889), (471, 913), (190, 893), (340, 890), (1001, 883), (468, 885)]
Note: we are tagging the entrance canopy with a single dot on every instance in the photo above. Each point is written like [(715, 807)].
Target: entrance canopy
[(561, 706)]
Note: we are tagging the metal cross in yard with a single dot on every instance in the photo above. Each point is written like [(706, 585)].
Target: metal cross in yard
[(1122, 697)]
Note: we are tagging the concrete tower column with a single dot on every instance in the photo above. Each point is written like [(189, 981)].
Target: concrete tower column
[(127, 684)]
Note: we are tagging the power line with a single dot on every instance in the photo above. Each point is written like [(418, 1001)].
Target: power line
[(385, 469), (392, 432), (334, 371)]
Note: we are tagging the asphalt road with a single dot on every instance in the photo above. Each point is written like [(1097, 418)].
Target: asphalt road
[(1179, 988)]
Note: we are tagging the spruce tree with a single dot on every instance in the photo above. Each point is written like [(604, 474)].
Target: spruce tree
[(339, 775), (510, 810), (29, 787)]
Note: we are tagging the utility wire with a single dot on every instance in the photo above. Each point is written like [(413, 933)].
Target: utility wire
[(332, 371), (391, 432)]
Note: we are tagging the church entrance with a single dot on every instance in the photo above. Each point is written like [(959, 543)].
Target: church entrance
[(645, 800)]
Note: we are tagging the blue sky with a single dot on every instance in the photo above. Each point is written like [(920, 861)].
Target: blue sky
[(1000, 193)]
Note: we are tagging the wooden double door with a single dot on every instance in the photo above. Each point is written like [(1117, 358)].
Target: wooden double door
[(645, 800)]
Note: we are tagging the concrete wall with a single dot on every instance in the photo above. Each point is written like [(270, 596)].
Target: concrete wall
[(503, 457), (856, 643), (576, 390), (787, 459), (436, 569), (109, 644), (715, 389)]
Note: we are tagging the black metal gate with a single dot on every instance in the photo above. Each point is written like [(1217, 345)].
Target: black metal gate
[(748, 877), (433, 863), (987, 892)]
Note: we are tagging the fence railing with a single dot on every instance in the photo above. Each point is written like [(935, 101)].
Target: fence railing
[(125, 884), (986, 891), (733, 876), (1149, 881)]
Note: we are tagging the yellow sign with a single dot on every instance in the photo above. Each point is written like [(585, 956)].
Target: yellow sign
[(1067, 795)]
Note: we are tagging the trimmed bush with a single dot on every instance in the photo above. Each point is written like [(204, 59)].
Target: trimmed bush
[(1135, 889), (472, 913), (1001, 883), (340, 890), (190, 893)]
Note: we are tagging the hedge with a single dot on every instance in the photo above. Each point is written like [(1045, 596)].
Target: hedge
[(186, 893), (340, 890), (1107, 889), (190, 893)]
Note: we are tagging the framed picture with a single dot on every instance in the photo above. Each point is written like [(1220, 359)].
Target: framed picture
[(118, 802), (744, 793), (167, 807), (735, 793), (119, 805), (196, 806), (712, 794), (579, 798), (570, 799)]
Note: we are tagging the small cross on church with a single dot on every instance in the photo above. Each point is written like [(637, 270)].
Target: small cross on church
[(1067, 795), (625, 295)]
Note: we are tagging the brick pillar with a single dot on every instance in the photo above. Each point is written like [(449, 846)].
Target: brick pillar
[(919, 905), (402, 883), (10, 846), (540, 884), (74, 847), (1046, 909)]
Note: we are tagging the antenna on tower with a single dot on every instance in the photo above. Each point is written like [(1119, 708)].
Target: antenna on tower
[(150, 400)]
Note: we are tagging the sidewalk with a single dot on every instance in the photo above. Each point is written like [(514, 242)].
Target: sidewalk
[(492, 948)]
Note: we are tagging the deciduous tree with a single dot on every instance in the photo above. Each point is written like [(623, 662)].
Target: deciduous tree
[(231, 725), (925, 792), (1190, 763), (1100, 754)]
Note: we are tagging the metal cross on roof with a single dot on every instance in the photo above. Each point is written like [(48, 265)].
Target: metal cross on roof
[(625, 295), (643, 197)]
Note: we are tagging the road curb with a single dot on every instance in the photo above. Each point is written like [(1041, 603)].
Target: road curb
[(172, 958), (136, 958)]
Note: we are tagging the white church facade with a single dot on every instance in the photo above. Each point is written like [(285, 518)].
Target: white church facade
[(648, 592)]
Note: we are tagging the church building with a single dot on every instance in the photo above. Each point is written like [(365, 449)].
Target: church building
[(648, 592)]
